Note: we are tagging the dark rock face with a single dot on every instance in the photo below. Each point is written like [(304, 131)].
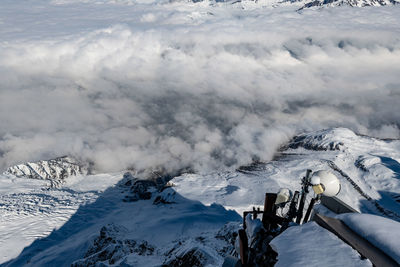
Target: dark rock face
[(109, 248), (191, 258), (143, 189), (359, 163), (200, 250), (314, 143), (140, 190), (253, 167), (194, 257), (228, 233)]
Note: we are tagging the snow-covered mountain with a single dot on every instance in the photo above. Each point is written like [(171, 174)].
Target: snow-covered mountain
[(305, 4), (352, 3), (55, 170), (121, 220)]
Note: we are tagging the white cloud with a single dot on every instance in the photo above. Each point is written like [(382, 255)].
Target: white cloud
[(208, 91)]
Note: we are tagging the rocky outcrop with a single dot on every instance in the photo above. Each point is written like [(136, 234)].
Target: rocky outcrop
[(192, 258), (143, 189), (111, 248), (331, 139)]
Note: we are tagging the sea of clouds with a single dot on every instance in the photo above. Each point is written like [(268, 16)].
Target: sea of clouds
[(209, 86)]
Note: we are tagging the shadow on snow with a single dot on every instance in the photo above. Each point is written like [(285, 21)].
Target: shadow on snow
[(70, 242)]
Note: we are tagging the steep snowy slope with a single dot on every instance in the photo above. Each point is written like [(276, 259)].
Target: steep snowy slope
[(131, 223), (368, 169), (140, 222)]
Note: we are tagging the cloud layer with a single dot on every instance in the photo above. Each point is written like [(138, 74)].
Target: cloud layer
[(179, 85)]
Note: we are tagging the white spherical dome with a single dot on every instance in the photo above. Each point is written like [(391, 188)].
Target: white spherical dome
[(329, 181)]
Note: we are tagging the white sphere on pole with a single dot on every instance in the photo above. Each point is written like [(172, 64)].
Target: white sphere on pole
[(329, 182)]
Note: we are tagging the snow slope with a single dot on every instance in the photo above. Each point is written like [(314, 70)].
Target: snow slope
[(149, 230), (137, 222), (337, 150), (31, 209), (381, 232), (311, 245)]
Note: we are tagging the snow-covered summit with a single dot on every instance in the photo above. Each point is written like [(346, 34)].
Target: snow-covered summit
[(305, 4), (352, 3), (53, 169), (330, 139)]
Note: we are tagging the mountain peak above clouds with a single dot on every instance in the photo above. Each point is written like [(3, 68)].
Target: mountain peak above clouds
[(351, 3), (54, 169), (329, 139)]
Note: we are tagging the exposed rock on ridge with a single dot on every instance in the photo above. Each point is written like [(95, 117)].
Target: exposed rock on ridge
[(332, 139)]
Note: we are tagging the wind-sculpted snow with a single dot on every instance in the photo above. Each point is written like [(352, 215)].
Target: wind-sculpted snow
[(381, 232), (126, 84), (310, 252)]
